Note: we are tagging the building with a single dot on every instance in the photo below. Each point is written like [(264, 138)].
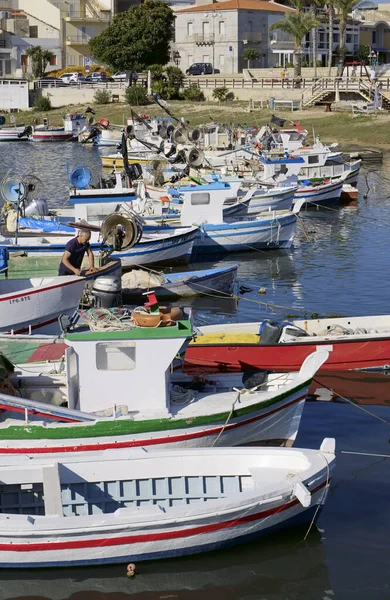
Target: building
[(375, 29), (21, 30), (81, 20), (282, 45), (218, 33)]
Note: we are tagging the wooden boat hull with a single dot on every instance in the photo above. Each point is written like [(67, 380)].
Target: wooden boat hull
[(344, 355), (322, 195), (275, 424), (180, 285), (145, 506), (244, 236), (172, 248), (52, 136), (37, 308)]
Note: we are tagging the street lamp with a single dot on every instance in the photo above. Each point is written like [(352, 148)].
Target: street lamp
[(177, 57), (372, 56)]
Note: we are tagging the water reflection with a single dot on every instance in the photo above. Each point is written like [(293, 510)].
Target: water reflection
[(281, 568)]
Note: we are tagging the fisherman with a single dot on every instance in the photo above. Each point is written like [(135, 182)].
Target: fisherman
[(74, 253)]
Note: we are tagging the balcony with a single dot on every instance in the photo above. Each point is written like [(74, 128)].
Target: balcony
[(82, 17), (78, 40), (252, 38)]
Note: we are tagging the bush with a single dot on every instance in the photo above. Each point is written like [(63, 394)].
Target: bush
[(194, 94), (42, 103), (136, 95), (289, 65), (319, 63), (229, 97), (59, 72), (102, 97), (220, 93)]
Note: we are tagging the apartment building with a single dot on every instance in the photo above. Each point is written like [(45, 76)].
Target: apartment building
[(21, 30), (218, 33)]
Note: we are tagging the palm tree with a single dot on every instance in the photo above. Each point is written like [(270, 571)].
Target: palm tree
[(297, 25), (39, 60), (343, 9)]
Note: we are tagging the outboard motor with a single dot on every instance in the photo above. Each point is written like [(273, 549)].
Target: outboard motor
[(27, 131), (106, 292), (93, 134), (38, 206)]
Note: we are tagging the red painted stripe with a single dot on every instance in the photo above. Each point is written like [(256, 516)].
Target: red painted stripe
[(37, 290), (144, 442), (151, 537), (32, 411), (32, 327)]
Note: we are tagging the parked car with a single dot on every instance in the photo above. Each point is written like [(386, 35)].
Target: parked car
[(120, 76), (74, 77), (97, 77), (200, 69)]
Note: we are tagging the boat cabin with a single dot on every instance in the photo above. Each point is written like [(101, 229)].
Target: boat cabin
[(204, 203), (123, 368)]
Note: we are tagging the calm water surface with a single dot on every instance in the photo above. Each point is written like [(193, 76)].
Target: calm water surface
[(339, 265)]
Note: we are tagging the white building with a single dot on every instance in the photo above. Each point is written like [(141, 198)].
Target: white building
[(218, 33)]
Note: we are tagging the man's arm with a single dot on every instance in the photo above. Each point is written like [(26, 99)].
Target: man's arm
[(91, 260), (65, 260)]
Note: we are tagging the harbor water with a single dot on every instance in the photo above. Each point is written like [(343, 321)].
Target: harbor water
[(339, 265)]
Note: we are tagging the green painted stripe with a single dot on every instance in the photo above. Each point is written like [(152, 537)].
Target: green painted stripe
[(127, 426), (182, 329)]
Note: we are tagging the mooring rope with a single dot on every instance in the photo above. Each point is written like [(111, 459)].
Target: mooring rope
[(352, 402)]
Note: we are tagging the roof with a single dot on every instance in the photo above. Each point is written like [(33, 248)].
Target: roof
[(239, 5)]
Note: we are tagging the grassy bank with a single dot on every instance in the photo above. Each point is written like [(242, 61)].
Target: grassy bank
[(365, 131)]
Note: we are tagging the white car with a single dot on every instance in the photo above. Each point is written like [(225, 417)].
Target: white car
[(72, 77), (120, 76)]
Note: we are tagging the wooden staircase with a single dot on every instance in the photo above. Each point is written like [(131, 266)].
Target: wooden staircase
[(322, 90)]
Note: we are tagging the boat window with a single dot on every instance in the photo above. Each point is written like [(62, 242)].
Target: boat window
[(200, 198), (313, 159), (118, 356), (295, 137)]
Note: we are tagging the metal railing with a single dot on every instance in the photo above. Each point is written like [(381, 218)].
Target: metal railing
[(102, 16), (78, 39)]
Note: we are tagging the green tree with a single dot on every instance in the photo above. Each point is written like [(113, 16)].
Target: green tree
[(362, 53), (136, 39), (39, 60), (175, 77), (343, 9), (297, 25), (250, 54)]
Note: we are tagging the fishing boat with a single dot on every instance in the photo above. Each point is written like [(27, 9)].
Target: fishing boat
[(21, 265), (116, 389), (73, 124), (15, 133), (170, 286), (140, 504), (311, 192), (354, 343), (35, 304), (220, 234)]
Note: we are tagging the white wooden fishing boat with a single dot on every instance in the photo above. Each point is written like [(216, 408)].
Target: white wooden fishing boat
[(14, 134), (35, 304), (219, 234), (116, 389), (143, 504), (170, 286)]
